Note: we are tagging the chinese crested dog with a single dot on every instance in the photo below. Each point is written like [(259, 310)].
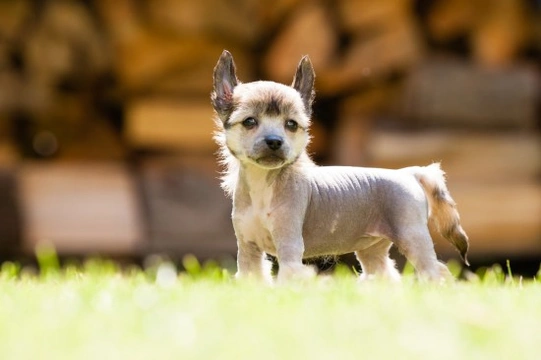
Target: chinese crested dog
[(287, 206)]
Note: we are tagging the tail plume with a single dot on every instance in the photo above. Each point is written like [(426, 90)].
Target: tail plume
[(443, 212)]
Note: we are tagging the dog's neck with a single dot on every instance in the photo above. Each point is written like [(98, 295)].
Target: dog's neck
[(238, 174), (259, 179)]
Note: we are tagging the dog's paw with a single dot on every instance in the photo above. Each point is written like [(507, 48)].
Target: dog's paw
[(296, 273), (438, 274), (259, 278), (390, 275)]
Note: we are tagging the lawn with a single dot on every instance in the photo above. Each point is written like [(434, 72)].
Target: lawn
[(97, 311)]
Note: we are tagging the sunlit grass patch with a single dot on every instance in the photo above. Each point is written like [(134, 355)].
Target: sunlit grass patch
[(97, 309)]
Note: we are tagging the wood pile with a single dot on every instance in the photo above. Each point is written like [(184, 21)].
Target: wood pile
[(399, 82), (80, 208), (10, 222), (186, 209)]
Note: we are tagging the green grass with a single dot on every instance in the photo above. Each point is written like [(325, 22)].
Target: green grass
[(97, 311)]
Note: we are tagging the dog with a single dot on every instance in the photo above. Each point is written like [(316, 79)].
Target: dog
[(287, 206)]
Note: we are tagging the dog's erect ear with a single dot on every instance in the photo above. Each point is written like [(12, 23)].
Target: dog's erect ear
[(303, 82), (225, 80)]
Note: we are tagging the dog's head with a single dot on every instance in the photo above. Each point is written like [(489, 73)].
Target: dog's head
[(263, 122)]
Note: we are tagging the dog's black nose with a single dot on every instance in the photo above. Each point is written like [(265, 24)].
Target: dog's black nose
[(274, 142)]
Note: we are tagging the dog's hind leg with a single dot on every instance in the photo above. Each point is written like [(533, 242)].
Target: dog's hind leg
[(417, 246), (375, 262), (251, 263)]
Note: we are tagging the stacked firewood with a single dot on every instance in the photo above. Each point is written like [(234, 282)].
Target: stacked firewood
[(399, 82), (72, 71)]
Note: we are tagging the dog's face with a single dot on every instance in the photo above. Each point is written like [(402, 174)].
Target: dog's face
[(264, 123)]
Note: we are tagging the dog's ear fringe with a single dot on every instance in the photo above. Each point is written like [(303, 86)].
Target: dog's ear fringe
[(230, 164)]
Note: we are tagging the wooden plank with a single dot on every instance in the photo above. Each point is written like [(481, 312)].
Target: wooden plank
[(500, 32), (187, 210), (220, 19), (8, 151), (451, 19), (153, 57), (500, 219), (10, 217), (361, 15), (13, 15), (457, 93), (466, 156), (309, 31), (173, 125), (368, 61), (146, 58), (80, 208)]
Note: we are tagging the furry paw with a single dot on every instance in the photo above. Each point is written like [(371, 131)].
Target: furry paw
[(290, 273), (438, 274), (262, 278), (391, 277)]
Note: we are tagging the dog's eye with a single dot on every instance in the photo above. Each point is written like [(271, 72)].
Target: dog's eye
[(249, 123), (292, 125)]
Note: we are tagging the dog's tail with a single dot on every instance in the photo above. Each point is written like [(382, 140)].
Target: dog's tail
[(442, 208)]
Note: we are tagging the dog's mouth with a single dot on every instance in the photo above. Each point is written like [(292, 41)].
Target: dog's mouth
[(270, 161)]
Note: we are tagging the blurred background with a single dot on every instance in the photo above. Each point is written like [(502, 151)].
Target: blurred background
[(106, 126)]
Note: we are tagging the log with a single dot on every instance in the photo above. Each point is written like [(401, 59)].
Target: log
[(193, 79), (170, 125), (497, 30), (12, 17), (214, 18), (500, 33), (10, 216), (188, 212), (80, 209), (458, 94), (361, 15), (357, 115), (147, 59), (65, 44), (500, 219), (9, 155), (451, 19), (369, 61), (502, 158), (310, 32)]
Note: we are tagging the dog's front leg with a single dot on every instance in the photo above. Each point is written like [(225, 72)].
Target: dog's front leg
[(289, 251), (251, 262)]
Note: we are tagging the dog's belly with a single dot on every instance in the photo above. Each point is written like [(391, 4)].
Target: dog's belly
[(327, 246), (339, 234)]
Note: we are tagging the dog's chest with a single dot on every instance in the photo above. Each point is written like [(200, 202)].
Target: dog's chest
[(253, 215)]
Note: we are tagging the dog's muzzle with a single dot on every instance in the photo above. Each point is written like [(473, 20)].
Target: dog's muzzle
[(271, 152), (270, 161), (274, 142)]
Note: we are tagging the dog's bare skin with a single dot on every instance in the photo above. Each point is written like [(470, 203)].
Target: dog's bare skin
[(286, 206)]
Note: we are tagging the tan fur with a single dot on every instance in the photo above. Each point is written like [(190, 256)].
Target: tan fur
[(443, 211), (287, 206)]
